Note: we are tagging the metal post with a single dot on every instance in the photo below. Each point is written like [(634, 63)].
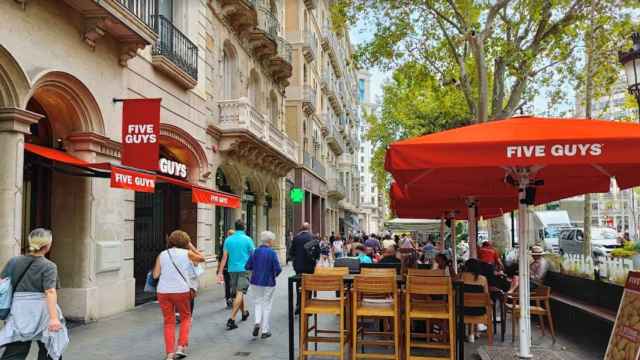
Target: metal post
[(473, 230), (453, 245), (513, 230), (442, 234), (523, 244)]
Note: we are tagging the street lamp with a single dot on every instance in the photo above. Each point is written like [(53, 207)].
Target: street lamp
[(631, 62)]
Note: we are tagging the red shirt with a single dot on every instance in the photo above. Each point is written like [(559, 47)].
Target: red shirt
[(488, 255)]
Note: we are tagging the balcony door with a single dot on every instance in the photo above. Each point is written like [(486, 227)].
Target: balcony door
[(165, 8)]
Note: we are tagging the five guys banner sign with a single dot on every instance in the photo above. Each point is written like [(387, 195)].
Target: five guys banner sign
[(215, 198), (132, 180), (141, 133)]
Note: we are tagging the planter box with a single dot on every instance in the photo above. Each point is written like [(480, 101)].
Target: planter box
[(594, 292)]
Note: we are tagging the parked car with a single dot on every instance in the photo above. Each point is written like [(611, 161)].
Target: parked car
[(603, 241)]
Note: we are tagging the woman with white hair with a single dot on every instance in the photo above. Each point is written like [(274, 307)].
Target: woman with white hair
[(34, 314), (265, 268)]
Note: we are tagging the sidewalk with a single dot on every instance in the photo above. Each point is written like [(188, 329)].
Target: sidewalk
[(137, 334)]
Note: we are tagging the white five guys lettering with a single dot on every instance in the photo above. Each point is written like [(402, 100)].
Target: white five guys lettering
[(140, 134), (557, 150), (130, 180)]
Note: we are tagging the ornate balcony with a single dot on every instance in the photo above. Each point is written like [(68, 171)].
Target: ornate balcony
[(129, 22), (309, 46), (310, 4), (313, 164), (328, 87), (174, 54), (333, 136), (330, 45), (248, 136), (308, 99), (264, 36), (281, 64), (336, 189)]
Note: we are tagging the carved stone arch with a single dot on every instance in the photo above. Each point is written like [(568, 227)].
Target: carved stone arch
[(69, 102), (14, 83), (254, 180), (177, 138), (234, 178)]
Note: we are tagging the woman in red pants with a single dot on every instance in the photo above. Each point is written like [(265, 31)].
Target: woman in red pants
[(172, 270)]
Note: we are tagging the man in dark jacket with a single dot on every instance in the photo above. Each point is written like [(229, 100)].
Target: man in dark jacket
[(302, 263)]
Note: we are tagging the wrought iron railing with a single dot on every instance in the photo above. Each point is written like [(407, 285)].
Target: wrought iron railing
[(307, 160), (318, 168), (284, 49), (176, 46), (309, 95), (267, 22), (142, 9)]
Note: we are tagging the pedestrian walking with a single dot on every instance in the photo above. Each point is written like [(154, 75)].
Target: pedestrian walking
[(228, 296), (237, 250), (175, 291), (34, 314), (338, 247), (303, 261), (264, 267)]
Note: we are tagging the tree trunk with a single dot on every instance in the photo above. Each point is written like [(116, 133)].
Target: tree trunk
[(586, 245)]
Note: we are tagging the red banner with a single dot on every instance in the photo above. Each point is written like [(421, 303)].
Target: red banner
[(132, 180), (140, 133), (215, 198)]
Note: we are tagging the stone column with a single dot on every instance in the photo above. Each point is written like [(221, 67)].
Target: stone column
[(14, 124)]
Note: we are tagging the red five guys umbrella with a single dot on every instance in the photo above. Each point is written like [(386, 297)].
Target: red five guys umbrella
[(531, 159)]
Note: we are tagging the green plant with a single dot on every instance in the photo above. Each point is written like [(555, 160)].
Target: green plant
[(629, 249)]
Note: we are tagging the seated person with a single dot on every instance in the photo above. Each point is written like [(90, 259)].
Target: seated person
[(389, 256), (539, 267), (442, 263), (474, 282), (361, 254)]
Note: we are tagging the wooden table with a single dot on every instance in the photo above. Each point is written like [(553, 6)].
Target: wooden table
[(294, 283)]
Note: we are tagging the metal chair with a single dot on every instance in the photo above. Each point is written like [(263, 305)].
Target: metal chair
[(375, 297), (312, 305)]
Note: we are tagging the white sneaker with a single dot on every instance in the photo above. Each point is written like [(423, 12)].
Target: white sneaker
[(482, 327), (472, 339)]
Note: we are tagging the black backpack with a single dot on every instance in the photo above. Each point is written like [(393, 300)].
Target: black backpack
[(312, 249)]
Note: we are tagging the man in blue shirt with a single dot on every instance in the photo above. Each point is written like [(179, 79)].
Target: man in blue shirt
[(236, 251)]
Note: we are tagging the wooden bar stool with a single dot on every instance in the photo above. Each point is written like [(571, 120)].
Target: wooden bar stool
[(312, 305), (442, 310), (375, 297)]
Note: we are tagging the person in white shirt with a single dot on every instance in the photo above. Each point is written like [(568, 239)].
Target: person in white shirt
[(172, 269), (338, 247)]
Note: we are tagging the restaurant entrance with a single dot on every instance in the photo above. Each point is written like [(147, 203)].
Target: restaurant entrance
[(159, 213)]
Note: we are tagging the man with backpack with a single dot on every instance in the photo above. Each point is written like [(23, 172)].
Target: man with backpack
[(305, 251)]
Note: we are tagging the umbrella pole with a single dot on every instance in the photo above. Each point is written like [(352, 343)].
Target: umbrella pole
[(473, 230), (525, 317), (442, 235), (454, 258)]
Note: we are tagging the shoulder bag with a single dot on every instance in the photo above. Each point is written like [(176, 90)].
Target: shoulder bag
[(6, 292), (191, 289)]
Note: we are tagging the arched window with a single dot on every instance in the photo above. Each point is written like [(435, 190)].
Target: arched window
[(274, 114), (228, 72), (254, 89)]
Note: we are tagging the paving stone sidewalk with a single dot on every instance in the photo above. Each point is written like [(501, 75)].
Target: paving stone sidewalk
[(137, 335)]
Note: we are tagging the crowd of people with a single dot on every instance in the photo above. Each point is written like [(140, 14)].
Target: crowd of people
[(174, 278)]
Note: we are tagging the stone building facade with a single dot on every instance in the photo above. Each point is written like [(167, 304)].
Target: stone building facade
[(322, 116), (221, 68)]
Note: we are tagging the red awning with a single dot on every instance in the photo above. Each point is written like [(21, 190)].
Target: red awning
[(203, 195), (124, 177)]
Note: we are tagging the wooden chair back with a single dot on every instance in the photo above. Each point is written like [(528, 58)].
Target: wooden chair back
[(372, 271), (477, 300), (429, 285), (425, 272), (376, 284), (319, 282), (339, 271)]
